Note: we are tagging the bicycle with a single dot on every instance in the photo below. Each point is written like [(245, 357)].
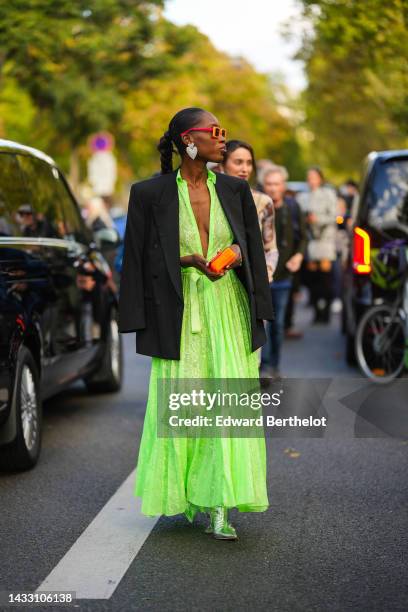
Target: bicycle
[(381, 342)]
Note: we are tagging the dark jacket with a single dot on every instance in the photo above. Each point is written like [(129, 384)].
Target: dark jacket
[(151, 293), (291, 235)]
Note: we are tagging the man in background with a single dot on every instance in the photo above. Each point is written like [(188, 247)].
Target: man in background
[(290, 228)]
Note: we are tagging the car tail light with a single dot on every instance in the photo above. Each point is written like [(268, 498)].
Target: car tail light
[(361, 251)]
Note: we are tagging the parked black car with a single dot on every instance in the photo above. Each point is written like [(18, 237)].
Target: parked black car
[(380, 216), (58, 303)]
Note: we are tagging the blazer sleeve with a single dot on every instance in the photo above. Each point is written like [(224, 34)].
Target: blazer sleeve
[(263, 298), (131, 294)]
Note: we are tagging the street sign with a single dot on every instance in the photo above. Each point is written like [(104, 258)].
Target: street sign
[(102, 172), (101, 141), (102, 167)]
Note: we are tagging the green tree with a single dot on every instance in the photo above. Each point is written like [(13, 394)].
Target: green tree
[(355, 55), (77, 60), (72, 68), (240, 97)]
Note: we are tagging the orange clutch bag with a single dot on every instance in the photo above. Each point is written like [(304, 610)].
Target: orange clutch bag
[(223, 259)]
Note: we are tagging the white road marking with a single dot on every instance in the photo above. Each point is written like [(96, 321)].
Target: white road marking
[(98, 560)]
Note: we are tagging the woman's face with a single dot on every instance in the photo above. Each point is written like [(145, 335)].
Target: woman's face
[(209, 148), (314, 179), (239, 163)]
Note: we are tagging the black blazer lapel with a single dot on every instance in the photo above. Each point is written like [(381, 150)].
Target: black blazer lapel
[(231, 204), (166, 213)]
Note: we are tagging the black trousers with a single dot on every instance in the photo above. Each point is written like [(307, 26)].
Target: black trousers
[(321, 293)]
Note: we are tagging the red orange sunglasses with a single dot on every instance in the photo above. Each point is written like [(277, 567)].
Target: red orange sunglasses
[(217, 132)]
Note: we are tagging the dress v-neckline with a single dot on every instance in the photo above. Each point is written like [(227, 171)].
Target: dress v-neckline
[(195, 220)]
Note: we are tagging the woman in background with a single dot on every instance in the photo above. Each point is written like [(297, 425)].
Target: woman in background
[(239, 161), (320, 206)]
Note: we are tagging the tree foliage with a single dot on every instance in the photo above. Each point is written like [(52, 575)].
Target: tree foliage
[(75, 67), (355, 54), (242, 99), (77, 59)]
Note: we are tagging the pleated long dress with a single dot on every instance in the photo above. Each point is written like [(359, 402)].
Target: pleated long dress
[(215, 343)]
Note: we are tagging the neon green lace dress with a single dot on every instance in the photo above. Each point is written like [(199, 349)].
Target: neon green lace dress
[(215, 342)]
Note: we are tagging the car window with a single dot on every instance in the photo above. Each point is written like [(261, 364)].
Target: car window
[(47, 218), (13, 194), (73, 223), (388, 194)]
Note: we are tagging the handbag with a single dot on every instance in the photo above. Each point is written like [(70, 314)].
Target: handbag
[(223, 259)]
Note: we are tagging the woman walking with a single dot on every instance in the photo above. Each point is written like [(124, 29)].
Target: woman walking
[(195, 323), (320, 206)]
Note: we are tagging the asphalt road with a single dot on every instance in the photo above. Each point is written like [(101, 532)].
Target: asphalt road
[(333, 539)]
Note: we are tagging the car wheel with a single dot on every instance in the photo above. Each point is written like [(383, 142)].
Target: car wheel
[(108, 377), (24, 451)]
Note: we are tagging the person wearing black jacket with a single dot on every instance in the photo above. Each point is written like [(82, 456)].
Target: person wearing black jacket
[(291, 239), (151, 299), (194, 322)]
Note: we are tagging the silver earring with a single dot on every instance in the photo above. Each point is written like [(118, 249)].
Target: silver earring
[(192, 150)]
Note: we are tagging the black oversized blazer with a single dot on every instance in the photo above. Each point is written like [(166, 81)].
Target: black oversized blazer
[(151, 293)]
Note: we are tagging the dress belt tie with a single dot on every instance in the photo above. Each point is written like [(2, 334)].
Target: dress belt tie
[(194, 277)]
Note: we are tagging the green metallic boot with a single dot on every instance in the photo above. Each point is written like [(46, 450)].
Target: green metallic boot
[(210, 527), (219, 525), (190, 512)]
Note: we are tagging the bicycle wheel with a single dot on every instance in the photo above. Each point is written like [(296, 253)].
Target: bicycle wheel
[(380, 344)]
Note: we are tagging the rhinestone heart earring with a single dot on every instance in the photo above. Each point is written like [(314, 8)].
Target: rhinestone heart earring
[(192, 150)]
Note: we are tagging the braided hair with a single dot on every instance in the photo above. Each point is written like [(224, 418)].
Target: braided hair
[(183, 120)]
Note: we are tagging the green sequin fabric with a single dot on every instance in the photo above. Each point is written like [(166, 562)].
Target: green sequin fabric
[(177, 475)]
